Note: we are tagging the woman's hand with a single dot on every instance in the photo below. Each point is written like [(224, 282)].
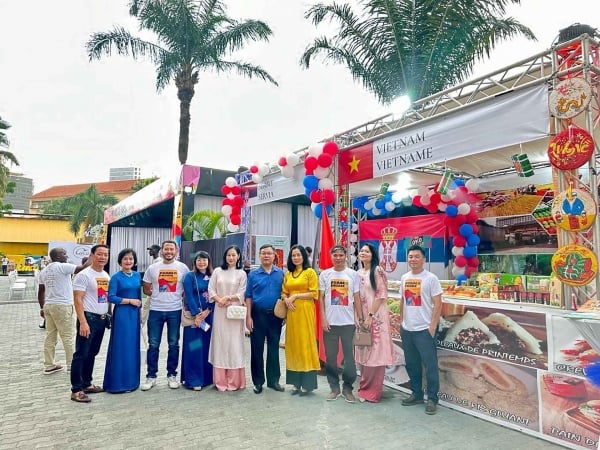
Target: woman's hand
[(289, 302), (368, 322), (135, 302)]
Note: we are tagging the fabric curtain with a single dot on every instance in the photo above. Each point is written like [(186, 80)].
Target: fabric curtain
[(307, 227), (139, 239), (271, 219)]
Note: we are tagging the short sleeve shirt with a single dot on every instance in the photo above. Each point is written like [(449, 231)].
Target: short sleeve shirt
[(167, 285), (58, 285), (338, 295), (94, 285), (418, 292)]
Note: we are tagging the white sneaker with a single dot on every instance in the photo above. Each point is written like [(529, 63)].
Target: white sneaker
[(149, 384), (172, 381)]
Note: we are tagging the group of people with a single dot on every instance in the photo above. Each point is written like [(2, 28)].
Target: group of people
[(213, 340)]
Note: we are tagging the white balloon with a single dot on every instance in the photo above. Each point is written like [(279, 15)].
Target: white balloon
[(313, 205), (369, 204), (230, 181), (315, 150), (257, 178), (472, 185), (353, 238), (422, 191), (226, 209), (450, 195), (425, 200), (287, 171), (456, 271), (325, 183), (230, 196), (397, 197), (464, 208), (321, 172), (390, 206), (376, 211), (263, 170), (407, 201), (445, 198), (457, 251), (353, 259), (354, 228), (232, 228), (352, 249), (292, 159), (442, 206)]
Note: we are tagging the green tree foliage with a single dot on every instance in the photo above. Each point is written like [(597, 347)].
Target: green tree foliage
[(192, 36), (205, 224), (6, 158), (87, 208), (141, 184), (412, 47), (56, 206)]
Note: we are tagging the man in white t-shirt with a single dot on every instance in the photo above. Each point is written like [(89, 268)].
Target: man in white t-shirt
[(163, 281), (154, 253), (338, 300), (422, 306), (90, 296), (55, 296)]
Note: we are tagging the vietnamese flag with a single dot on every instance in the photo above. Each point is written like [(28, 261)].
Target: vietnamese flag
[(355, 164)]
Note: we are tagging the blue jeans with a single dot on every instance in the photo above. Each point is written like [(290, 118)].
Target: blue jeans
[(156, 322), (420, 350)]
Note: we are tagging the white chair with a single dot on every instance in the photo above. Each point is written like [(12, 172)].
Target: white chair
[(36, 282), (16, 285)]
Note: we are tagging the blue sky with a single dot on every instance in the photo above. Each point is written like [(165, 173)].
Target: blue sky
[(73, 120)]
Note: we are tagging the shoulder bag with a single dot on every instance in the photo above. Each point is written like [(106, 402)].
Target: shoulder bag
[(280, 309), (187, 320), (362, 337)]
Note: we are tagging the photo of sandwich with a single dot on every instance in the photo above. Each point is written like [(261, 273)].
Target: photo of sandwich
[(572, 352), (515, 336)]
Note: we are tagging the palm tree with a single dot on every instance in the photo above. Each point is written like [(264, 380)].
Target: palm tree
[(192, 36), (412, 47), (87, 208), (6, 157), (205, 224)]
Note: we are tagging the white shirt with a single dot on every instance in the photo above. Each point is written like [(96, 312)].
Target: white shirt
[(167, 285), (94, 285), (417, 293), (57, 281), (338, 295)]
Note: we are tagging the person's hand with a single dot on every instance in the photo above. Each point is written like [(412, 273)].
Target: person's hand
[(249, 324), (135, 302), (198, 320), (84, 330), (432, 330), (223, 302), (325, 325), (289, 302), (368, 322)]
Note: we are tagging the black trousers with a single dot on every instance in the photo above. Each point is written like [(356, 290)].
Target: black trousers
[(86, 350), (331, 341), (266, 327)]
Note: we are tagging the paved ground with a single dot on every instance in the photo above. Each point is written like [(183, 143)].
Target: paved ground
[(35, 411)]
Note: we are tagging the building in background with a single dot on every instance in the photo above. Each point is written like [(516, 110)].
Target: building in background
[(19, 199), (124, 173)]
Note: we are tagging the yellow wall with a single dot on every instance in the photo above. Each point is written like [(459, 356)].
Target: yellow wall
[(31, 235)]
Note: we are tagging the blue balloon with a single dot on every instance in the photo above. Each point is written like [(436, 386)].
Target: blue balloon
[(465, 230), (469, 252), (379, 204), (319, 211), (387, 198), (451, 210), (310, 182), (307, 192), (458, 182), (473, 240), (462, 278)]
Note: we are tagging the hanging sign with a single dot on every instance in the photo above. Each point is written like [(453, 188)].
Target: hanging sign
[(575, 265), (570, 149), (574, 210), (569, 98)]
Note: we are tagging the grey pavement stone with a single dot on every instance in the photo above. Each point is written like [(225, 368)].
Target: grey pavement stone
[(36, 411)]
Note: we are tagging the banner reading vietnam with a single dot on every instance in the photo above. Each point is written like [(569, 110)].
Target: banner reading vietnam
[(394, 236)]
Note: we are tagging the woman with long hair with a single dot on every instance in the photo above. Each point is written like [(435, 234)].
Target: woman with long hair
[(299, 291), (376, 317), (226, 287), (196, 371), (122, 370)]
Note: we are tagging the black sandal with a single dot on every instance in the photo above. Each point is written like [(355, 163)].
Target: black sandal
[(80, 397), (93, 389)]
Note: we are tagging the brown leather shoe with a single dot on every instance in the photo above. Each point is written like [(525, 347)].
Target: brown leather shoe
[(80, 397), (93, 389)]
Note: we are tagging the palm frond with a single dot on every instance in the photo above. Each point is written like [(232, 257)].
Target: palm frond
[(245, 69), (121, 41)]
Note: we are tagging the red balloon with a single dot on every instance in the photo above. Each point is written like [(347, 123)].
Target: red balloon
[(236, 211), (315, 196), (461, 194), (431, 208), (475, 228), (324, 160), (238, 201), (473, 262), (453, 230), (472, 216), (417, 201), (459, 261), (236, 190), (225, 189), (435, 199), (329, 197), (311, 163), (235, 219), (459, 241), (253, 169), (282, 161), (470, 270), (227, 201), (330, 148), (460, 219)]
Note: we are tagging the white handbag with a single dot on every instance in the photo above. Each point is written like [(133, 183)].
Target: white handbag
[(236, 312)]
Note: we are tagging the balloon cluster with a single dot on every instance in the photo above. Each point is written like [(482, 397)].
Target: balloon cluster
[(382, 203), (286, 164), (461, 217), (232, 203), (318, 187), (259, 171)]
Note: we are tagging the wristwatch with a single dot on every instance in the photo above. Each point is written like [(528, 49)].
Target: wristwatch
[(371, 314)]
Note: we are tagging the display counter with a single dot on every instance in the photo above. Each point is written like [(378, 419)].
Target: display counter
[(520, 365)]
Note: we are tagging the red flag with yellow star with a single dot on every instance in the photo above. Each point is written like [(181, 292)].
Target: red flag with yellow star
[(356, 164)]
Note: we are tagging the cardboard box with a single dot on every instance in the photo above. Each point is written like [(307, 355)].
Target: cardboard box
[(537, 283), (508, 279), (556, 296)]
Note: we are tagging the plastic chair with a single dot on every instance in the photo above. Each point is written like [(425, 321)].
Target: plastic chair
[(16, 285)]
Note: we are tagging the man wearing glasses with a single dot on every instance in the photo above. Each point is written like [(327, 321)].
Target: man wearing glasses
[(262, 291)]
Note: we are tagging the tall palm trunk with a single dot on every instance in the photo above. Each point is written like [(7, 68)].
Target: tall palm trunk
[(185, 82)]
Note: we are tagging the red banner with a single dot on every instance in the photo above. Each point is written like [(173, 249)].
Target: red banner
[(355, 164)]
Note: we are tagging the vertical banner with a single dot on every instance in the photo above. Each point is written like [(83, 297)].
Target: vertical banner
[(177, 219)]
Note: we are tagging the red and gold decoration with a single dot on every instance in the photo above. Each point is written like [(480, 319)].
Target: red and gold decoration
[(574, 210), (569, 98), (522, 165), (571, 149), (575, 265)]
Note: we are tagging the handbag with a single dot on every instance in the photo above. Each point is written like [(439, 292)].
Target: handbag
[(362, 338), (187, 320), (236, 312), (280, 309)]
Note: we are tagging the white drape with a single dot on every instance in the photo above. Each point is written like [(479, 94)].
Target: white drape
[(139, 239), (271, 219), (307, 226)]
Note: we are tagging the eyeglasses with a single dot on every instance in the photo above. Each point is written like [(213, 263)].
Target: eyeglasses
[(266, 254)]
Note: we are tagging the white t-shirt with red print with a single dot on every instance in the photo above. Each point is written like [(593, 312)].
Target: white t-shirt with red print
[(418, 291)]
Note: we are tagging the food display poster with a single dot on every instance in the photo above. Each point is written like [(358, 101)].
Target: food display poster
[(570, 409), (519, 337), (497, 390), (394, 236), (570, 352)]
